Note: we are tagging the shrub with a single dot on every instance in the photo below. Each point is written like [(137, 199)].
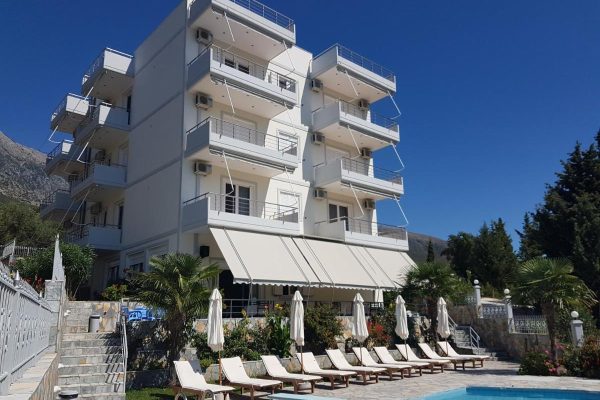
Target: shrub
[(584, 361), (114, 292), (377, 335), (321, 326), (534, 363), (274, 336)]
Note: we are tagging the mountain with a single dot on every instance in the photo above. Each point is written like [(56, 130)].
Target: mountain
[(417, 244), (22, 175)]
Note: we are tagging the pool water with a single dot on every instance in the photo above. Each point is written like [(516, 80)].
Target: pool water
[(491, 393)]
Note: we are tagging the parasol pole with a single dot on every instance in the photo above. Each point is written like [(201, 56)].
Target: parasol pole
[(220, 370)]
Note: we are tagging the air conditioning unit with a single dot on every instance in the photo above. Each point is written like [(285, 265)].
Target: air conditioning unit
[(365, 152), (204, 36), (96, 209), (320, 194), (202, 168), (318, 138), (316, 85), (203, 101), (369, 204), (363, 105)]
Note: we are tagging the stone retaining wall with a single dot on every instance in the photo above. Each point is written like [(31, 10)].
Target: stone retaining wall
[(38, 381)]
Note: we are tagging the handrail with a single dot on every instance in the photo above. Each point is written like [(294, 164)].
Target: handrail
[(361, 61), (367, 169), (370, 228), (237, 205), (124, 347), (248, 135), (232, 60)]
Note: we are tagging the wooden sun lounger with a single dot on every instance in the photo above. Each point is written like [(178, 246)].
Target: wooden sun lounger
[(235, 374), (339, 361), (277, 371), (449, 351), (191, 380), (429, 353), (363, 355), (311, 366)]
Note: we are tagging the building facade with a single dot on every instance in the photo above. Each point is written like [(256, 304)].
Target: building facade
[(220, 137)]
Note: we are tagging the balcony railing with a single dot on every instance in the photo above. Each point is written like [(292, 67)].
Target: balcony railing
[(63, 104), (63, 148), (98, 63), (367, 169), (231, 60), (248, 135), (370, 228), (247, 207), (80, 232), (367, 115), (50, 198), (103, 114), (259, 8), (89, 171), (361, 61)]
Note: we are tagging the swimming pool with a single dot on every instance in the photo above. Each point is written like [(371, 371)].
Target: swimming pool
[(494, 393)]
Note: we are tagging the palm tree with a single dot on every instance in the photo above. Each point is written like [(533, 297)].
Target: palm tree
[(178, 284), (428, 282), (549, 284)]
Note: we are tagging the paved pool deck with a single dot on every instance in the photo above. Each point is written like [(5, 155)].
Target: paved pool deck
[(494, 373)]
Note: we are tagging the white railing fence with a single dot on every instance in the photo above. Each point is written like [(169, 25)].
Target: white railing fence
[(25, 320)]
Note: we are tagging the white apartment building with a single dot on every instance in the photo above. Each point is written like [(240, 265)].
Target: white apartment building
[(220, 137)]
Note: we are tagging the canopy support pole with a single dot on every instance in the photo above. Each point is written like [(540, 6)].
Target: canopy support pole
[(354, 140), (228, 25), (395, 105), (352, 84), (401, 210), (357, 200), (397, 155), (228, 173), (82, 203), (229, 96)]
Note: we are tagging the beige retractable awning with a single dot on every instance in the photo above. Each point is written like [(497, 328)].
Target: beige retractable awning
[(280, 260), (263, 259)]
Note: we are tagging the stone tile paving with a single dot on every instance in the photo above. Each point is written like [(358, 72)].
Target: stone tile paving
[(494, 373)]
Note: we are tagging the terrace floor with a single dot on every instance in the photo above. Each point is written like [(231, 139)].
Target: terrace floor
[(495, 373)]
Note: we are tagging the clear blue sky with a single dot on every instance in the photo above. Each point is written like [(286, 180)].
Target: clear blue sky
[(493, 94)]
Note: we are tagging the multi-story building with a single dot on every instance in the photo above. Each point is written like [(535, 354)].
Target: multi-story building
[(222, 138)]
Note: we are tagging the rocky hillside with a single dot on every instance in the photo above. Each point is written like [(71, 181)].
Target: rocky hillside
[(22, 174), (417, 244)]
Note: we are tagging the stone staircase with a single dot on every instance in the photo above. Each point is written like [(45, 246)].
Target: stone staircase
[(91, 363), (462, 338)]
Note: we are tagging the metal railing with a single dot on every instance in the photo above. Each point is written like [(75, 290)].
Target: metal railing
[(370, 228), (367, 169), (10, 252), (98, 63), (50, 198), (63, 104), (233, 204), (25, 319), (493, 311), (122, 328), (236, 308), (62, 148), (528, 324), (82, 231), (361, 61), (266, 12), (89, 171), (248, 135), (239, 63), (93, 116), (367, 115)]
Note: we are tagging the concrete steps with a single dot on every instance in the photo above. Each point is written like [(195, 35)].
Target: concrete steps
[(90, 363)]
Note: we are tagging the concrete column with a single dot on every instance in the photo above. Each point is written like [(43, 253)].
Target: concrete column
[(509, 311), (55, 296), (478, 307), (576, 329)]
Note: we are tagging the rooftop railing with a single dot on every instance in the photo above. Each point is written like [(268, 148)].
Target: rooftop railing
[(367, 115), (367, 169), (230, 203), (239, 63), (248, 135), (370, 228)]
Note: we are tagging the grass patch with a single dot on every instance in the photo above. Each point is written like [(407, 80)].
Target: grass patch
[(150, 394)]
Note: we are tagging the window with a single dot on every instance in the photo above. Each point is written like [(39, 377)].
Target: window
[(243, 66), (237, 199), (289, 290), (229, 61), (338, 212)]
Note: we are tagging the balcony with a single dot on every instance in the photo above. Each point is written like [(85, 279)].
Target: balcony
[(109, 76), (62, 160), (347, 176), (231, 79), (58, 206), (256, 28), (347, 123), (364, 233), (69, 113), (246, 149), (107, 126), (353, 75), (101, 237), (220, 210), (99, 182)]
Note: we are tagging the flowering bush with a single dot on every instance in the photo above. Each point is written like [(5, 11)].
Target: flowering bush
[(377, 334), (535, 363), (584, 361)]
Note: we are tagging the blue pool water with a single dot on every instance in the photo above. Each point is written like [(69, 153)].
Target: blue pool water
[(490, 393)]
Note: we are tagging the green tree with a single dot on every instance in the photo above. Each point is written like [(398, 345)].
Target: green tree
[(77, 261), (529, 246), (22, 222), (493, 259), (179, 285), (567, 223), (549, 284), (430, 254), (460, 252), (427, 282)]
